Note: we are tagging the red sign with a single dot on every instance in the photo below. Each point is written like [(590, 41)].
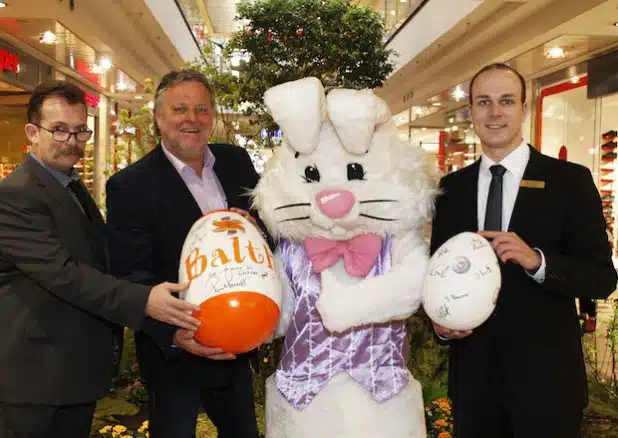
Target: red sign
[(92, 100), (85, 71), (8, 61)]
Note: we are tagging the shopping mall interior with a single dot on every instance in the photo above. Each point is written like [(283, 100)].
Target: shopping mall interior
[(567, 51), (439, 46)]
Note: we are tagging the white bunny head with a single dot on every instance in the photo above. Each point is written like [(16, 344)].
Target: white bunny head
[(341, 169)]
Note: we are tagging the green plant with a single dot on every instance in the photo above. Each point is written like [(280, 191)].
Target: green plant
[(439, 418), (602, 361), (135, 133), (226, 86), (338, 41), (121, 431)]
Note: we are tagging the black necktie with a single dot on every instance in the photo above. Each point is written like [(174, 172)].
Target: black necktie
[(82, 196), (493, 213)]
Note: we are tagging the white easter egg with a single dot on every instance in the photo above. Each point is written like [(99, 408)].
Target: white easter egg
[(462, 282), (233, 279)]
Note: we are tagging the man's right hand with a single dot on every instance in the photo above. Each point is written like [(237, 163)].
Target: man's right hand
[(185, 339), (165, 307), (448, 334)]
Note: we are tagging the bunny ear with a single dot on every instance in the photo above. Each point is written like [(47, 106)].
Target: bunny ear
[(355, 114), (298, 107)]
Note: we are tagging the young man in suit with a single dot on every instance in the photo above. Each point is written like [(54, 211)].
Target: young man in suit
[(521, 373), (151, 205), (58, 307)]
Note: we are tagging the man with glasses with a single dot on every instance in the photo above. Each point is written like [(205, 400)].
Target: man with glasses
[(58, 308)]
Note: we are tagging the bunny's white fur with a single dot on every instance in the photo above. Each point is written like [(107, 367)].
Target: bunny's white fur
[(394, 198)]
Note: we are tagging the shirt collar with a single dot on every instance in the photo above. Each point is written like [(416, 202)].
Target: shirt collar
[(515, 162), (180, 166), (62, 178)]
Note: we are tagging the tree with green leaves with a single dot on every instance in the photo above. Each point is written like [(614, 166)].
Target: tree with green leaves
[(226, 86), (337, 41)]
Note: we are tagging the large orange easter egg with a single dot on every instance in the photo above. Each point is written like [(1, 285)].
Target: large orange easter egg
[(233, 279)]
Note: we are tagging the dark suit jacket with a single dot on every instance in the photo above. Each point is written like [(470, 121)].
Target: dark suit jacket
[(533, 335), (150, 211), (55, 302)]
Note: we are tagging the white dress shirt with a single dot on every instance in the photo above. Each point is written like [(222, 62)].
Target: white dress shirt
[(515, 164), (205, 188)]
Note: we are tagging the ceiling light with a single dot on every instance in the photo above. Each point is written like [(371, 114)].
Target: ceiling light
[(458, 93), (138, 97), (2, 5), (555, 52), (436, 104), (48, 37), (105, 63)]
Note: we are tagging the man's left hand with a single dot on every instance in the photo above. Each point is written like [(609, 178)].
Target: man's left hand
[(244, 214), (510, 248)]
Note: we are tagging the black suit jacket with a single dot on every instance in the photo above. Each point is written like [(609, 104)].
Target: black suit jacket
[(533, 335), (56, 303), (150, 211)]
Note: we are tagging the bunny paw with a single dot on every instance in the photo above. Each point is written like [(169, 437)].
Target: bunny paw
[(333, 304)]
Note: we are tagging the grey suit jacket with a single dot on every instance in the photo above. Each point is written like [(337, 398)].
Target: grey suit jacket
[(57, 305)]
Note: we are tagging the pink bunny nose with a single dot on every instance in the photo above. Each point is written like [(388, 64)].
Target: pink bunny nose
[(335, 203)]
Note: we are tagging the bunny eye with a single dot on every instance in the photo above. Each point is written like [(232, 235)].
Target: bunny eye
[(312, 174), (355, 171)]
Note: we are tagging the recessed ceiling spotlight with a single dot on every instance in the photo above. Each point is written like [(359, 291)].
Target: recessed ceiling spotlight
[(616, 24), (555, 52), (458, 93), (3, 5), (48, 37), (105, 63)]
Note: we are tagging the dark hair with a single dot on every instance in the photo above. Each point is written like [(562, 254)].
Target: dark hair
[(179, 76), (500, 66), (69, 92)]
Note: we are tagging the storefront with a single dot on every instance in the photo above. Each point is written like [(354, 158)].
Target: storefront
[(19, 74), (577, 120)]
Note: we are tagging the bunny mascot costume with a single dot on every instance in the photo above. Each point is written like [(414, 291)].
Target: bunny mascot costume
[(347, 201)]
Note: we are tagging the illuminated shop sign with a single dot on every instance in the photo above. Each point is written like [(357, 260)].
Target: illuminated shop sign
[(92, 100), (85, 70), (9, 61)]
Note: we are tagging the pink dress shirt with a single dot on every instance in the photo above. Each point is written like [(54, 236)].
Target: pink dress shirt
[(205, 188)]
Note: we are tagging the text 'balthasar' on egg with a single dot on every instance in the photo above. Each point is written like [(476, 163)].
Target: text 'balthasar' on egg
[(462, 282), (233, 279)]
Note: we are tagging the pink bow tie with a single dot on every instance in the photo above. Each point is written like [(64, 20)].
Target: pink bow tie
[(359, 253)]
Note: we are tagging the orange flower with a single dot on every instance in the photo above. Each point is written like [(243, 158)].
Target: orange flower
[(444, 435), (440, 423)]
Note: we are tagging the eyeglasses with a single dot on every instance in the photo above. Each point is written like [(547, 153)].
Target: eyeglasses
[(64, 136)]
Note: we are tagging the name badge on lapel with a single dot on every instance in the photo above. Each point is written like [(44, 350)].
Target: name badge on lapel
[(532, 184)]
